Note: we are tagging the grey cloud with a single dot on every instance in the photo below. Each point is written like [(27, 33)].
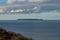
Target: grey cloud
[(48, 5), (46, 8), (53, 1)]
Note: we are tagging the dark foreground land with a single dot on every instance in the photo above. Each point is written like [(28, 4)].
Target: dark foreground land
[(5, 35)]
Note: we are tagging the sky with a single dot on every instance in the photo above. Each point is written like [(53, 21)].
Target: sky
[(3, 0), (49, 10)]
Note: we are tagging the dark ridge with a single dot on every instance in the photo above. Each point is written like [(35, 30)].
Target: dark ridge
[(29, 19), (5, 35)]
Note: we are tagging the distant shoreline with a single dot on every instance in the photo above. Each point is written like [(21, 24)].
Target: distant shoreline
[(29, 19)]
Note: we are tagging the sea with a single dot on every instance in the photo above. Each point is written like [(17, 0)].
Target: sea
[(36, 29)]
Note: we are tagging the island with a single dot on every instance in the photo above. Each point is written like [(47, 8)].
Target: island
[(30, 19)]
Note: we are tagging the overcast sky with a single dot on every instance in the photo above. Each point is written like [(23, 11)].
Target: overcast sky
[(49, 4)]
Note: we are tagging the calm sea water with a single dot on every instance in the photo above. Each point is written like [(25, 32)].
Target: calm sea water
[(38, 30)]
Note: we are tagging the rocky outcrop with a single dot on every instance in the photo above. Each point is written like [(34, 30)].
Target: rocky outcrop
[(4, 35)]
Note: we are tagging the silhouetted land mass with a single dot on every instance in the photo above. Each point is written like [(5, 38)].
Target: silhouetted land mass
[(30, 19), (5, 35)]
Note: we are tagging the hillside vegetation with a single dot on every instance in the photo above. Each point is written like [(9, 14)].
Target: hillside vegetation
[(5, 35)]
